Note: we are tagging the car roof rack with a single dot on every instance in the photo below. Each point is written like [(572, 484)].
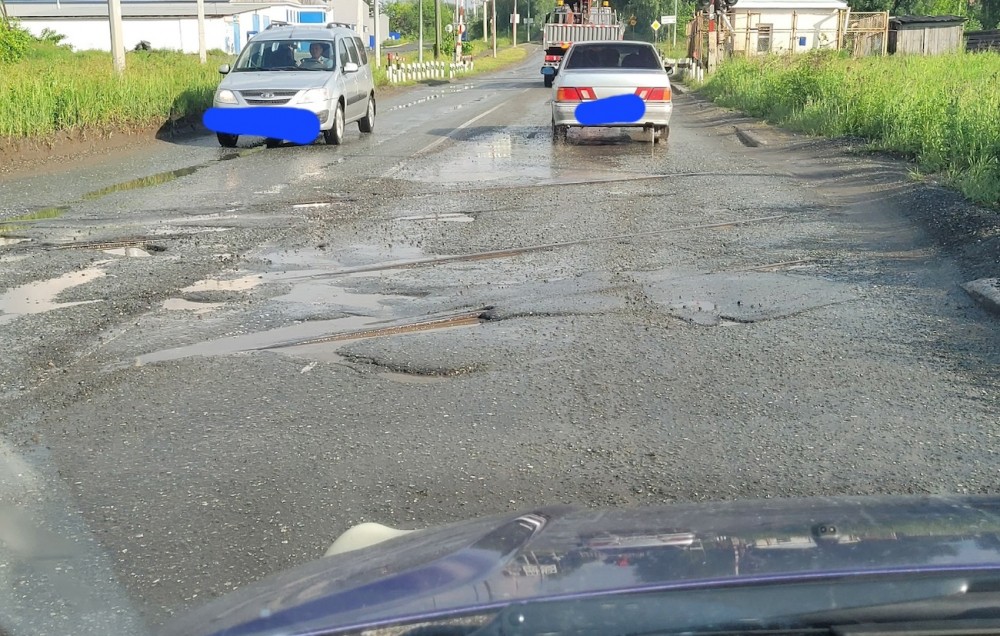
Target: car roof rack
[(344, 25), (276, 23)]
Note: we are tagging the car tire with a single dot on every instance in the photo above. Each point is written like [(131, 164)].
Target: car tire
[(226, 140), (661, 134), (559, 133), (335, 136), (367, 124), (272, 143), (548, 81)]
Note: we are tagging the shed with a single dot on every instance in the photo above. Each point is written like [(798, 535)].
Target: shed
[(926, 34), (785, 26)]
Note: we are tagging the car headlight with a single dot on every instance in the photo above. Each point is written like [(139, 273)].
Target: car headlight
[(225, 97), (315, 95)]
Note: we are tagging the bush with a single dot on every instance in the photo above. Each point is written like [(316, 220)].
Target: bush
[(14, 42)]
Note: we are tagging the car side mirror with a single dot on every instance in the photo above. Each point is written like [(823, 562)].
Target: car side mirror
[(224, 69), (351, 67)]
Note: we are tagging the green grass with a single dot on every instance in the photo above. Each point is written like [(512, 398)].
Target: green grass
[(941, 111), (54, 89)]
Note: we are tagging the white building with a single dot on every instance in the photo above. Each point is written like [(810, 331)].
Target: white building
[(782, 26), (174, 24)]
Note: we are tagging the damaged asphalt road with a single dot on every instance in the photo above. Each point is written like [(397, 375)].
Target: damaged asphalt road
[(210, 373)]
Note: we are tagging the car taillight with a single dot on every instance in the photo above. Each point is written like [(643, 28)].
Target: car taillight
[(553, 58), (570, 94), (658, 94)]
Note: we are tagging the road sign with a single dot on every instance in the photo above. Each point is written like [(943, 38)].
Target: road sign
[(515, 18), (632, 21), (655, 25), (668, 19)]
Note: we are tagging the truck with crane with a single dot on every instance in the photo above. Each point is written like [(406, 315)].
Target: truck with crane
[(581, 21)]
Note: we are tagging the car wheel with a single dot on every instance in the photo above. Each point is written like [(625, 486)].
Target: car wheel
[(661, 134), (335, 136), (548, 81), (559, 133), (272, 143), (227, 140), (367, 124)]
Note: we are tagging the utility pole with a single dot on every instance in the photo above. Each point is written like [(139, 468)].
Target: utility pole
[(494, 28), (378, 37), (486, 22), (513, 20), (420, 37), (202, 53), (117, 44), (437, 29), (675, 24)]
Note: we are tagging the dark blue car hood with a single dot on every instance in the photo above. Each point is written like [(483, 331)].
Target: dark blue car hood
[(565, 552)]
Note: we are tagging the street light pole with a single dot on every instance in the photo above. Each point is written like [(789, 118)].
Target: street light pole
[(420, 37)]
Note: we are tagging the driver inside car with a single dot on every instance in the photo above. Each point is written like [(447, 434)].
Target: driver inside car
[(319, 57)]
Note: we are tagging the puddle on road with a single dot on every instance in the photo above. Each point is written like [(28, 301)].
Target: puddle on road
[(180, 304), (318, 339), (11, 240), (244, 283), (39, 297), (498, 157), (321, 294), (256, 341), (454, 217), (131, 252), (142, 182)]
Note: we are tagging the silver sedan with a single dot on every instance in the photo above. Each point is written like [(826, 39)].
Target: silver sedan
[(594, 71)]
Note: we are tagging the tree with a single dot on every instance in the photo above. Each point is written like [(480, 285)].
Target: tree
[(404, 16)]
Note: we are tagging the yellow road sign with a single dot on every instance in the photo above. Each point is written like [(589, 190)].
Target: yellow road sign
[(655, 25)]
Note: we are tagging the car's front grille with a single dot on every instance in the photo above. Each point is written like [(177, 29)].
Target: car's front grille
[(268, 98), (266, 102)]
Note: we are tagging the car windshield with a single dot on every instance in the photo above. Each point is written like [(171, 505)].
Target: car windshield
[(427, 307), (613, 56), (286, 55)]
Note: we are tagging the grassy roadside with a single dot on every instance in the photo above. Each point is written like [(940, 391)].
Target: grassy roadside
[(942, 111), (54, 90)]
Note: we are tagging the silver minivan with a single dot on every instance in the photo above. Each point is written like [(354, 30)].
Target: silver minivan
[(325, 70)]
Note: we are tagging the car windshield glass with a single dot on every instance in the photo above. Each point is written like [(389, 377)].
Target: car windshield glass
[(612, 55), (285, 55)]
